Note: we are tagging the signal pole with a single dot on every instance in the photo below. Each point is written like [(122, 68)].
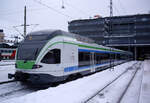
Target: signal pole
[(25, 21), (24, 25), (110, 34), (111, 8), (111, 15)]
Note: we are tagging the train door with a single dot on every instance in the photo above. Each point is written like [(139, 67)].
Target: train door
[(92, 62)]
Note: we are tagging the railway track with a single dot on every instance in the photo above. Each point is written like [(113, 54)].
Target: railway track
[(9, 81), (127, 87), (15, 93), (14, 89), (11, 92), (136, 65)]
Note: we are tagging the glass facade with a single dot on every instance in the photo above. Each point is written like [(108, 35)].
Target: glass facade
[(132, 29)]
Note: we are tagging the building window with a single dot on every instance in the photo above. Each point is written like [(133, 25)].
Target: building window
[(52, 57)]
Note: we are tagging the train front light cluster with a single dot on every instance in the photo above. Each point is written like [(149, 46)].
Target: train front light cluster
[(35, 66)]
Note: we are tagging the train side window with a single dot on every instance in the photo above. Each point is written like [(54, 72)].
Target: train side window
[(52, 57), (123, 56), (84, 59), (104, 57)]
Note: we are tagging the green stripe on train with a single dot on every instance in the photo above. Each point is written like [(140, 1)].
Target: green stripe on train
[(85, 46), (80, 45), (24, 65), (29, 64)]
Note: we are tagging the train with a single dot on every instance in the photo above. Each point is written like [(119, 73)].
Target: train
[(7, 52), (51, 56)]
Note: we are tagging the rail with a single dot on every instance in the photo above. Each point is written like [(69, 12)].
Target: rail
[(4, 82), (109, 84)]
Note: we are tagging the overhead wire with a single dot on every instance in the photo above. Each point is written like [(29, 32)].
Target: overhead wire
[(45, 5), (41, 3), (8, 28), (11, 29), (76, 8), (11, 20), (20, 11)]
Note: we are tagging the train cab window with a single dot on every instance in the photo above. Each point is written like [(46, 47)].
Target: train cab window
[(52, 57)]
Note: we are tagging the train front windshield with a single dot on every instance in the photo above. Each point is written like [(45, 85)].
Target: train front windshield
[(27, 53), (30, 48)]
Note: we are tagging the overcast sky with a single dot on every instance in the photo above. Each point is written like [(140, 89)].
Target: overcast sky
[(50, 15)]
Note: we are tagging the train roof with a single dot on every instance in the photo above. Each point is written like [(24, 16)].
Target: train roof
[(49, 34), (53, 33)]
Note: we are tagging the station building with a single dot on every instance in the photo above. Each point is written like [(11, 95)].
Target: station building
[(7, 51), (1, 35), (130, 32)]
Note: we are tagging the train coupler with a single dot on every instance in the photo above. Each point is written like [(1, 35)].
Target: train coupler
[(10, 76)]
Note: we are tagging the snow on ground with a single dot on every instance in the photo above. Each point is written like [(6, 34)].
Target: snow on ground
[(4, 70), (9, 87), (145, 89), (75, 91), (133, 93), (112, 93), (7, 62), (12, 90)]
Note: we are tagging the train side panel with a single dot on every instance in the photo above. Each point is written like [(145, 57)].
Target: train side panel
[(70, 56)]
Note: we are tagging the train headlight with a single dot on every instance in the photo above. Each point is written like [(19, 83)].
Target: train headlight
[(35, 66)]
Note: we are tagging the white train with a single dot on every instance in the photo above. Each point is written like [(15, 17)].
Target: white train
[(49, 56)]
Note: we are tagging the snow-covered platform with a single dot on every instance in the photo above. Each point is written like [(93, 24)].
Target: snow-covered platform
[(81, 89), (145, 87), (4, 70)]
